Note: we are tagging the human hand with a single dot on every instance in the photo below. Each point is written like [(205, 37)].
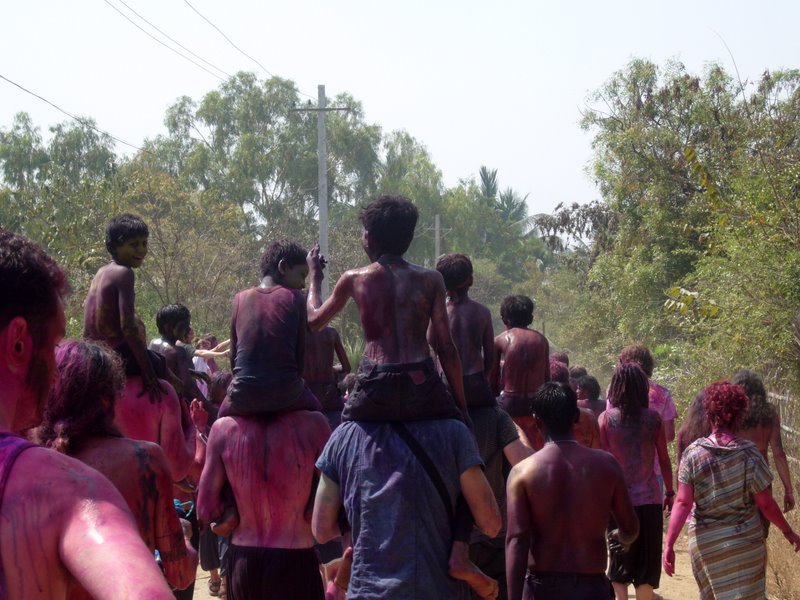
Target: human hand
[(199, 415), (614, 545), (669, 500), (668, 560), (788, 501), (316, 263)]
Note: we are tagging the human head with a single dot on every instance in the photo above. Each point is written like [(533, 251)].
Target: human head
[(759, 411), (517, 311), (456, 270), (629, 389), (695, 425), (589, 388), (220, 381), (559, 372), (556, 406), (725, 405), (33, 290), (347, 384), (389, 224), (207, 342), (81, 402), (173, 322), (122, 228), (561, 357), (284, 261), (639, 354)]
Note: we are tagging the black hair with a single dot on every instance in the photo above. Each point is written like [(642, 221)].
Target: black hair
[(577, 372), (760, 412), (456, 269), (517, 311), (122, 228), (32, 284), (390, 222), (639, 354), (292, 252), (561, 357), (557, 406), (629, 389), (591, 386), (169, 317)]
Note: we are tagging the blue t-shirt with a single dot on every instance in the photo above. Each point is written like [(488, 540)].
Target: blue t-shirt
[(401, 533)]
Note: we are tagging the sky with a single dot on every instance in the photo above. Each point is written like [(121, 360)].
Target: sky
[(499, 84)]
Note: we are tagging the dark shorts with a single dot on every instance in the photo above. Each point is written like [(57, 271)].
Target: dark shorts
[(157, 361), (515, 405), (328, 395), (642, 563), (477, 391), (399, 392), (208, 550), (273, 574), (560, 586), (249, 403)]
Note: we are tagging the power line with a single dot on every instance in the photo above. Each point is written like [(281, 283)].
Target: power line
[(132, 22), (263, 68), (83, 122), (173, 40)]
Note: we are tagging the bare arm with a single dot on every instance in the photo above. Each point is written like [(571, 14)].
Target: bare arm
[(769, 508), (481, 501), (209, 493), (130, 330), (319, 313), (344, 362), (518, 533), (300, 346), (669, 429), (601, 424), (516, 452), (666, 468), (681, 510), (178, 447), (781, 464), (494, 375), (325, 520)]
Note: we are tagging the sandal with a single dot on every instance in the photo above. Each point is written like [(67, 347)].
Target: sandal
[(214, 587)]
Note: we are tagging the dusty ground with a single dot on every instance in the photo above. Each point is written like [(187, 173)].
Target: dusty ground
[(679, 587)]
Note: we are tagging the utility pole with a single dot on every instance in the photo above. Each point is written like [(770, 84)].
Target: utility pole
[(437, 239), (322, 173)]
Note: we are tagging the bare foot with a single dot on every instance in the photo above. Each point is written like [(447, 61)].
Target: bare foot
[(461, 567), (227, 522)]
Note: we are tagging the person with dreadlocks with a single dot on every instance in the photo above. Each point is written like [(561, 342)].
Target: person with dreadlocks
[(79, 422), (633, 433), (762, 426)]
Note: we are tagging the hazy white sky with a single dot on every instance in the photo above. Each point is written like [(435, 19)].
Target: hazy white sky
[(500, 84)]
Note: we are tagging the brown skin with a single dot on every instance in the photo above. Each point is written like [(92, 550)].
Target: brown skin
[(274, 510), (320, 349), (770, 437), (140, 472), (63, 525), (180, 363), (525, 356), (559, 504), (109, 315), (396, 301), (471, 328), (586, 430)]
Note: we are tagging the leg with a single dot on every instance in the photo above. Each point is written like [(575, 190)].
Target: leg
[(620, 590), (644, 592), (459, 565)]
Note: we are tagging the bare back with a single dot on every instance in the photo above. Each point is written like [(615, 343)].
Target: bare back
[(320, 350), (471, 328), (760, 435), (110, 297), (526, 360), (270, 465), (566, 493)]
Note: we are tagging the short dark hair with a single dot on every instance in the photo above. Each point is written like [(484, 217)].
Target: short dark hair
[(591, 386), (517, 311), (557, 406), (561, 357), (292, 252), (456, 269), (639, 354), (171, 315), (559, 372), (577, 372), (629, 389), (122, 228), (32, 284), (88, 374), (390, 222)]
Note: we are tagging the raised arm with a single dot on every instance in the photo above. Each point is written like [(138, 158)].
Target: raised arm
[(319, 313), (518, 533), (781, 463)]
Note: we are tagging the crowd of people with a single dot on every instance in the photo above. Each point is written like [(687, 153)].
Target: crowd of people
[(454, 463)]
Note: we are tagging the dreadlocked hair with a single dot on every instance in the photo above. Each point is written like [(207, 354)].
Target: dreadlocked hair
[(628, 390)]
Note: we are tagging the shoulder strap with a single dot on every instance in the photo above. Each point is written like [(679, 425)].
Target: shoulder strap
[(427, 464)]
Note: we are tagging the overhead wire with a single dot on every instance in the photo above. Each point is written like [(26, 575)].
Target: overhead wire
[(83, 122), (173, 40), (134, 23)]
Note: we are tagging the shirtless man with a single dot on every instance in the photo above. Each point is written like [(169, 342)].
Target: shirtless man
[(525, 367), (585, 430), (397, 381), (174, 322), (269, 463), (497, 438), (762, 426), (79, 423), (559, 504), (589, 395), (634, 434), (61, 523), (109, 314), (321, 375)]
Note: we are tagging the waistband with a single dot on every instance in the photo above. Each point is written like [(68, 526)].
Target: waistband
[(424, 365), (564, 576)]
